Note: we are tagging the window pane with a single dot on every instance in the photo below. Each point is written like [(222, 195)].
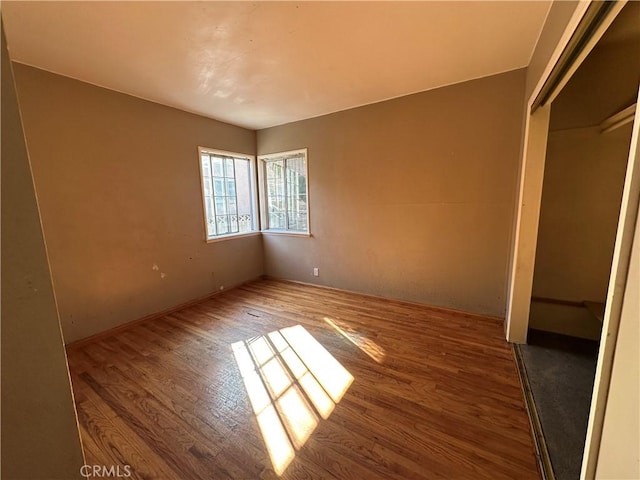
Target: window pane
[(221, 206), (244, 223), (223, 225), (239, 191), (244, 197), (207, 186), (234, 223), (231, 187), (277, 212), (297, 193), (286, 193), (217, 167), (229, 167), (277, 220), (228, 190), (211, 227), (232, 208), (206, 169), (218, 186)]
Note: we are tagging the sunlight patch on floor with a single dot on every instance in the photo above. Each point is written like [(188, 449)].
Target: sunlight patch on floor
[(368, 346), (292, 381)]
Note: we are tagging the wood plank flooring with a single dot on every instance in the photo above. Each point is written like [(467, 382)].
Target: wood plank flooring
[(282, 380)]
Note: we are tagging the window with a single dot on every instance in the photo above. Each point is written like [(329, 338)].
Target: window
[(228, 193), (285, 190)]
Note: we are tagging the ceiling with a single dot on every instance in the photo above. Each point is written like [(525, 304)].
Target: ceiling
[(260, 64)]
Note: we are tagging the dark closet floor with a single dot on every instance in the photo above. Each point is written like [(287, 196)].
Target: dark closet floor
[(561, 372)]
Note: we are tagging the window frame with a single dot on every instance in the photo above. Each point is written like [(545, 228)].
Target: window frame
[(264, 201), (255, 214)]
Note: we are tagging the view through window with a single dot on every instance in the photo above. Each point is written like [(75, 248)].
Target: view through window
[(286, 197), (228, 191)]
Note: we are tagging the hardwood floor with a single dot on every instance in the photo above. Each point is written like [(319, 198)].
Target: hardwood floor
[(282, 380)]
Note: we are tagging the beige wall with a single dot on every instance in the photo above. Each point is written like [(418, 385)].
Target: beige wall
[(119, 186), (584, 176), (410, 198), (39, 429), (575, 321)]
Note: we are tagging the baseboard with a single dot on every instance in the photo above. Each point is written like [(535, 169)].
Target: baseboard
[(195, 301), (389, 299), (153, 316)]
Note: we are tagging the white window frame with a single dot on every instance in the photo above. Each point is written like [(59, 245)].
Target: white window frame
[(262, 178), (255, 221)]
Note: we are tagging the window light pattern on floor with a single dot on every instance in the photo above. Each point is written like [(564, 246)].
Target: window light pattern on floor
[(368, 346), (292, 381)]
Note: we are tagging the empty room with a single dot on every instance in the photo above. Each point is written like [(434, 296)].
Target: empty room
[(297, 240)]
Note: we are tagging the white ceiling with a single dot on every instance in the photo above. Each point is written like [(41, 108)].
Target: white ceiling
[(260, 64)]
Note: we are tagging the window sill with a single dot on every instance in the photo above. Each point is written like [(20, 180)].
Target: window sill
[(222, 238), (286, 233)]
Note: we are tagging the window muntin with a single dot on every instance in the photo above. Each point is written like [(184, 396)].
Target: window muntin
[(228, 193), (286, 201)]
